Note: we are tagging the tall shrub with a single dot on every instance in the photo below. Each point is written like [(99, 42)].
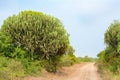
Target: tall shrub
[(42, 36), (111, 54)]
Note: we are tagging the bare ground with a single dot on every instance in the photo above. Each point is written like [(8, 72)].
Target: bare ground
[(82, 71)]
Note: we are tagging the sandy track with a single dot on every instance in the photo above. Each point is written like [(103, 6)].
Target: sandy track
[(83, 71)]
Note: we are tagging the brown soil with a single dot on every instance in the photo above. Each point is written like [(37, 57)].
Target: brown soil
[(82, 71)]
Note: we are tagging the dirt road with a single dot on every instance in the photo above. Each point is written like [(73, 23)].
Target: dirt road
[(83, 71)]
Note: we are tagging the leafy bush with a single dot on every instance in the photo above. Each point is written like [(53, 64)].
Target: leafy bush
[(6, 48), (38, 33), (10, 69), (13, 68), (36, 36), (109, 59), (68, 60), (106, 74), (111, 34), (32, 67), (111, 54)]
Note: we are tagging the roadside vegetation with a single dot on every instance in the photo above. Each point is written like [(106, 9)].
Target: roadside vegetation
[(86, 59), (33, 41), (109, 58)]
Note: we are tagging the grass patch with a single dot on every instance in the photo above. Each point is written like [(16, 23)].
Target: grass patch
[(12, 68), (106, 73)]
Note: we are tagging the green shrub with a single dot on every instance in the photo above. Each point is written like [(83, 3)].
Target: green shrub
[(106, 73), (52, 64), (18, 53), (4, 75), (10, 69), (109, 59), (32, 67), (14, 68), (6, 48), (36, 36), (68, 60), (38, 33), (4, 62)]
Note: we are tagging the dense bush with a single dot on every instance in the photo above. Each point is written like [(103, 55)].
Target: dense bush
[(6, 48), (68, 59), (32, 67), (112, 35), (35, 36), (40, 34), (10, 68), (109, 58), (14, 68)]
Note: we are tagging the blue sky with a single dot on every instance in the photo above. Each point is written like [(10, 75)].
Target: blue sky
[(85, 20)]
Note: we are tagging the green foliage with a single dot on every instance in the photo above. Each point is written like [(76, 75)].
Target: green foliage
[(65, 60), (35, 36), (106, 74), (32, 67), (111, 35), (101, 56), (10, 69), (31, 41), (37, 33), (16, 63), (52, 64), (109, 59), (13, 68), (86, 59), (6, 48), (18, 53), (68, 59)]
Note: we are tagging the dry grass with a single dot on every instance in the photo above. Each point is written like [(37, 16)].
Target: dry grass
[(107, 75)]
